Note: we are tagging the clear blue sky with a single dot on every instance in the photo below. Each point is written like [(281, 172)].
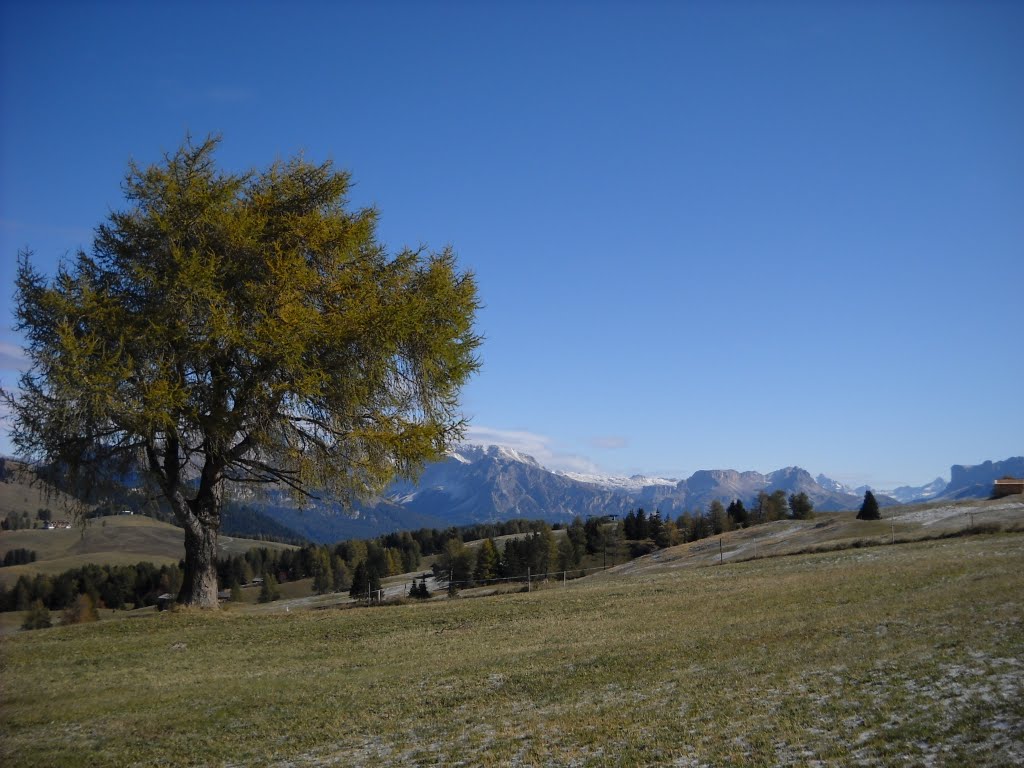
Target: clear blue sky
[(741, 235)]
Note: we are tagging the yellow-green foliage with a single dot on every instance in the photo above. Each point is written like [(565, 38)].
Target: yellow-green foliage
[(900, 655), (81, 611), (247, 328), (248, 318)]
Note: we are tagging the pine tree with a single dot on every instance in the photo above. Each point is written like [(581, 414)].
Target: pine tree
[(643, 526), (359, 581), (341, 575), (668, 536), (577, 534), (629, 526), (778, 505), (269, 591), (717, 517), (801, 506), (654, 526), (419, 590), (594, 531), (373, 577), (323, 578), (486, 561), (869, 509), (565, 554)]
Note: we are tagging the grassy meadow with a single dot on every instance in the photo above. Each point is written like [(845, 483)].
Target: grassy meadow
[(18, 494), (897, 655), (117, 540)]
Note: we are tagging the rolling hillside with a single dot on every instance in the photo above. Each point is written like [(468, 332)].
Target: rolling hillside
[(894, 655), (18, 496), (109, 540)]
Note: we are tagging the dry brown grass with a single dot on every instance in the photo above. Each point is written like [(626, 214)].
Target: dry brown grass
[(877, 656)]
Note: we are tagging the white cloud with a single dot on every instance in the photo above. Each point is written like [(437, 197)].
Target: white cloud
[(6, 447), (533, 444), (12, 357)]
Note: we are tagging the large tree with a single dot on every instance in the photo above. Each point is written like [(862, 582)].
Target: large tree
[(242, 328)]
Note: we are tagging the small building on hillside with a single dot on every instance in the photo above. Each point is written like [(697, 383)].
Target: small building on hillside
[(1007, 486)]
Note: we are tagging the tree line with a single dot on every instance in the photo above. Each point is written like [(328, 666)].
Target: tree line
[(638, 526), (18, 521), (112, 586), (359, 565), (333, 568), (537, 552), (20, 556)]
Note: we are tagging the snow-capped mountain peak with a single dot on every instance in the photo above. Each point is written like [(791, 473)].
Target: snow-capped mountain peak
[(833, 485), (617, 483), (469, 453)]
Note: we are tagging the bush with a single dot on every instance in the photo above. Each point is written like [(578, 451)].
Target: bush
[(641, 548), (82, 610), (420, 590), (38, 617)]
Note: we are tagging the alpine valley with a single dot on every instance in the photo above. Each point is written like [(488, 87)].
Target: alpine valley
[(492, 483)]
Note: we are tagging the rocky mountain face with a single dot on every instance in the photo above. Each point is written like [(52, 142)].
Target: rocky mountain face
[(478, 484), (488, 484), (908, 493), (966, 482), (725, 485)]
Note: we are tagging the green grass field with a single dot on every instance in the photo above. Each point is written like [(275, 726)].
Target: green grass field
[(891, 655)]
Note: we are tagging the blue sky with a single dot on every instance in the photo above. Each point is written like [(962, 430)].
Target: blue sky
[(742, 235)]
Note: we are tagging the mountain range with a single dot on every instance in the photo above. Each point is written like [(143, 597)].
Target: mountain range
[(475, 484)]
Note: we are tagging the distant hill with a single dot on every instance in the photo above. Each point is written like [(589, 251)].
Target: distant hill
[(117, 540), (244, 520), (113, 540), (24, 491), (19, 492)]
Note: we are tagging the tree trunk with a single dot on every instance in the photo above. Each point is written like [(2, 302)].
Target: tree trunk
[(201, 520), (199, 584), (200, 517)]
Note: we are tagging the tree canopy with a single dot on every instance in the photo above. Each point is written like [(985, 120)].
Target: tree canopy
[(242, 328)]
